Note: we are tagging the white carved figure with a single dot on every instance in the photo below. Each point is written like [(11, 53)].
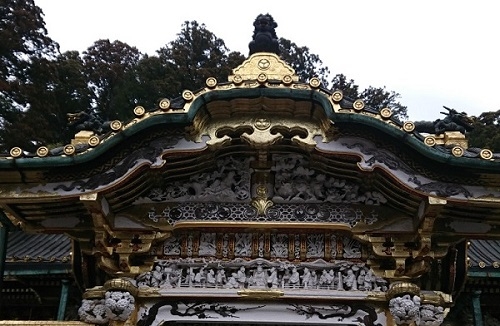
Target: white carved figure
[(120, 305), (369, 280), (232, 282), (220, 278), (350, 281), (306, 278), (431, 315), (211, 278), (294, 278), (259, 278), (324, 280), (242, 276), (405, 309), (157, 277), (94, 311), (272, 279), (261, 273), (199, 277)]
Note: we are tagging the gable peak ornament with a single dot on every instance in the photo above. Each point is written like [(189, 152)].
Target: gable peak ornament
[(264, 37)]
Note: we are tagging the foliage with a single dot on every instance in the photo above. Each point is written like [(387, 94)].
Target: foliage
[(375, 97), (106, 64), (486, 132), (305, 63), (26, 52), (39, 86), (194, 56)]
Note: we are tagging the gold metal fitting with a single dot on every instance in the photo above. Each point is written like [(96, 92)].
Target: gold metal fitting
[(94, 141), (188, 95), (287, 79), (165, 104), (430, 141), (496, 264), (16, 152), (116, 125), (386, 113), (139, 111), (486, 154), (457, 151), (261, 294), (337, 96), (315, 82), (120, 284), (408, 126), (69, 149), (262, 78), (211, 82), (42, 151), (402, 288), (358, 105), (237, 79)]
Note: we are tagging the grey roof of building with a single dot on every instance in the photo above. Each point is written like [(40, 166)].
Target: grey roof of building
[(484, 254), (29, 247)]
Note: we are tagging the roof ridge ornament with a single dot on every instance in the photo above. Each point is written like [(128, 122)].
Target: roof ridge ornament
[(264, 37), (264, 67)]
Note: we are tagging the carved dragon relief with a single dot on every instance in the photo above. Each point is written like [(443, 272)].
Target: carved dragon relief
[(373, 157)]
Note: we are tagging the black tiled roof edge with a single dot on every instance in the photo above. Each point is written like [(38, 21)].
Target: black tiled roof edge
[(29, 247), (484, 254)]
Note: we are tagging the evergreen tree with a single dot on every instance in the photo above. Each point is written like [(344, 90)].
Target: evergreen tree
[(486, 132), (24, 43), (194, 56), (106, 64)]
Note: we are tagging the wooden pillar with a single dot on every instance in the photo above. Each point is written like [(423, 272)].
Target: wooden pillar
[(476, 308), (4, 234), (63, 301)]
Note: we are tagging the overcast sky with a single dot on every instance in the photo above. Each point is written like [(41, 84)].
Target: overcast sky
[(433, 53)]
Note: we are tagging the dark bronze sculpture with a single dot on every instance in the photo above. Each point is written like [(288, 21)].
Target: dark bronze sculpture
[(88, 120), (264, 36), (453, 121)]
